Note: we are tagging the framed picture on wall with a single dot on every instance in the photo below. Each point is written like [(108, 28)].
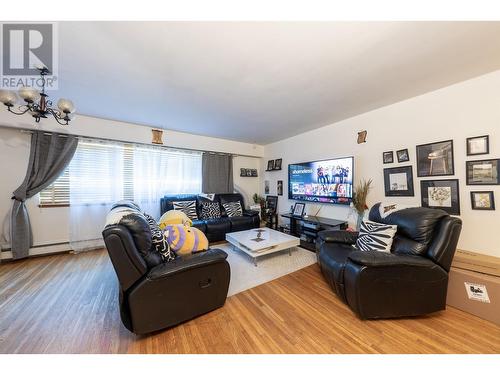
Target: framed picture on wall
[(266, 187), (277, 164), (388, 157), (443, 194), (254, 173), (398, 182), (280, 187), (270, 165), (403, 155), (478, 145), (249, 173), (243, 172), (483, 172), (435, 159), (482, 200)]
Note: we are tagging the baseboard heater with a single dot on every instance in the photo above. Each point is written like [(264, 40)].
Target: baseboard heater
[(45, 249)]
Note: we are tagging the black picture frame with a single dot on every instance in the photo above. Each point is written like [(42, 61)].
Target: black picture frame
[(403, 155), (388, 157), (453, 207), (491, 198), (396, 179), (254, 173), (298, 209), (270, 165), (277, 164), (488, 176), (469, 143), (443, 153), (279, 187), (243, 172), (249, 173)]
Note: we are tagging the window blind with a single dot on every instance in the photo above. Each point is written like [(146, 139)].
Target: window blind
[(104, 166)]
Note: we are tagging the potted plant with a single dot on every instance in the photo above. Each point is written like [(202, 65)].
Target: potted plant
[(260, 200), (359, 200)]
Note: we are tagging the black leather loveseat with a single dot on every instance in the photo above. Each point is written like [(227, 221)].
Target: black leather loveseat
[(216, 229), (411, 280), (156, 295)]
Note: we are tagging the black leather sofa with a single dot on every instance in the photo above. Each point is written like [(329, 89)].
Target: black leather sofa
[(216, 229), (411, 280), (154, 295)]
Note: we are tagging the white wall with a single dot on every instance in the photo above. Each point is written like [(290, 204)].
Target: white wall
[(470, 108), (50, 225), (248, 186)]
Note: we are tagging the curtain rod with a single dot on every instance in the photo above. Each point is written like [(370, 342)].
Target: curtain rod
[(83, 137)]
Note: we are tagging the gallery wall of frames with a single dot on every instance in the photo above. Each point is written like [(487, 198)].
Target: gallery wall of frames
[(435, 171)]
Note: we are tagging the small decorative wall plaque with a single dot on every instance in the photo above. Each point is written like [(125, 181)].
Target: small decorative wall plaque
[(362, 137), (157, 136)]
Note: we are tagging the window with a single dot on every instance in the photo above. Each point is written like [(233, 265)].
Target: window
[(102, 172), (57, 194)]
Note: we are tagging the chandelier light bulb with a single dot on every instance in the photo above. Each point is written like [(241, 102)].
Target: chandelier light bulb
[(9, 98), (29, 94), (66, 106)]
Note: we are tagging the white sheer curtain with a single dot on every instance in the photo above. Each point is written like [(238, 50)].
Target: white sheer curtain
[(96, 182), (102, 173), (159, 171)]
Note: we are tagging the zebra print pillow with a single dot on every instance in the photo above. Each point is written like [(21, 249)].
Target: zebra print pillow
[(375, 236), (159, 240), (233, 209), (210, 210), (188, 207)]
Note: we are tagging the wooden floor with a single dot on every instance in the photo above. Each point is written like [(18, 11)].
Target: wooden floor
[(68, 304)]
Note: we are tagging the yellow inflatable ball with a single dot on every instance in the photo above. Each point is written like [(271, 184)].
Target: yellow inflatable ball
[(185, 240), (174, 217)]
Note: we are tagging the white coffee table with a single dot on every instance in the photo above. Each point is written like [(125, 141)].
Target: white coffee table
[(261, 241)]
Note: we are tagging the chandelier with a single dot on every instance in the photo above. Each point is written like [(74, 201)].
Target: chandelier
[(37, 102)]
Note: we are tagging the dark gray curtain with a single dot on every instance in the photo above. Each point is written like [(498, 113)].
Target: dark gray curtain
[(217, 173), (49, 156)]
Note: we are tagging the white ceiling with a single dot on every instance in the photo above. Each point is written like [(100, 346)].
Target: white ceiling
[(260, 82)]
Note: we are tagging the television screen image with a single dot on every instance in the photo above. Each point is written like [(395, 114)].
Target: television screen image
[(328, 181)]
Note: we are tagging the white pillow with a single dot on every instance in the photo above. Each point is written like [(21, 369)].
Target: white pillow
[(375, 236)]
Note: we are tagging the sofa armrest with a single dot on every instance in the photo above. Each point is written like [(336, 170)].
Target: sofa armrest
[(186, 263), (250, 213), (381, 259), (339, 236)]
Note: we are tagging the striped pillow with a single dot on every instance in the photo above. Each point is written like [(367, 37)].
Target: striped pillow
[(375, 236), (188, 207), (233, 209)]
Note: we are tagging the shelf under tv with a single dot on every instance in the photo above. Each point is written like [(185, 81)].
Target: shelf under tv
[(307, 228)]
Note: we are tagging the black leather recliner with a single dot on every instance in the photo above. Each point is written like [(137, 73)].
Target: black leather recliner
[(411, 280), (156, 295), (216, 229)]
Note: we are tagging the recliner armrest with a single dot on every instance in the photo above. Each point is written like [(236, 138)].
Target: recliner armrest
[(182, 264), (381, 259), (250, 213), (340, 236)]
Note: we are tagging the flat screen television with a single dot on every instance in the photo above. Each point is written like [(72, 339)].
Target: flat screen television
[(325, 181)]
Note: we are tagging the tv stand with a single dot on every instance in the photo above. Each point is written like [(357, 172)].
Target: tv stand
[(307, 228)]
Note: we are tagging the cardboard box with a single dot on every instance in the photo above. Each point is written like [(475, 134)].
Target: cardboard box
[(467, 260), (474, 292)]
